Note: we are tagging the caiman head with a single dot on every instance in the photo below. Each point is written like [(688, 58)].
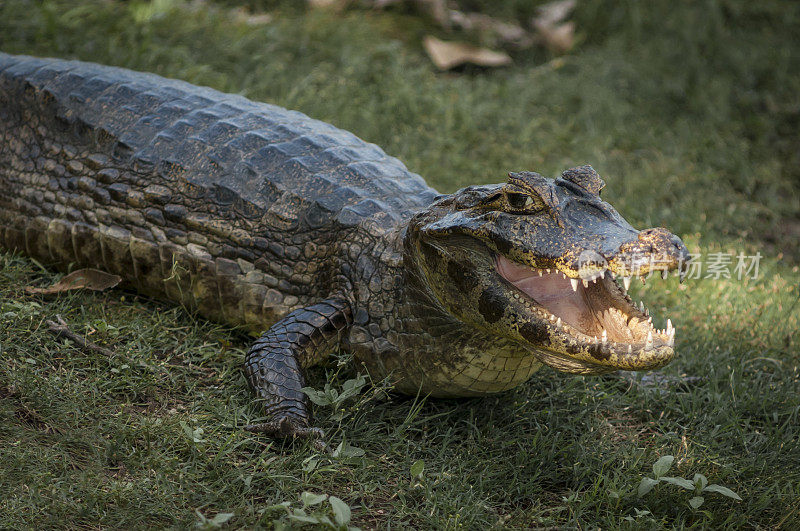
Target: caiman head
[(539, 262)]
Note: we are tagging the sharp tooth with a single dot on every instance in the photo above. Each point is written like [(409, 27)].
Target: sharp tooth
[(548, 270), (558, 321), (671, 341), (585, 284), (630, 349), (604, 336), (574, 282), (664, 274), (552, 317), (627, 283), (646, 311), (648, 345), (650, 321), (641, 306), (669, 326)]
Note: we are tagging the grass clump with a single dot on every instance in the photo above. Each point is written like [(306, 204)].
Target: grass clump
[(689, 110)]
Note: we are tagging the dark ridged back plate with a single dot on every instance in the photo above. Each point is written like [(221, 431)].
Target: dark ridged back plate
[(237, 152), (255, 205)]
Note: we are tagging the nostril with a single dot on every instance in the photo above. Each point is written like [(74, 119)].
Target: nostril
[(648, 233)]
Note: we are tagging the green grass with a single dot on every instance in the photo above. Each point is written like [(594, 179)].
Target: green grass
[(690, 110)]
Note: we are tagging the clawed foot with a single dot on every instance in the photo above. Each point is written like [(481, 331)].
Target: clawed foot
[(285, 427)]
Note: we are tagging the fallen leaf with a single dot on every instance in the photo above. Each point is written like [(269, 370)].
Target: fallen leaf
[(439, 11), (559, 39), (327, 3), (446, 55), (492, 31), (497, 31), (93, 279), (556, 35), (552, 13), (251, 19)]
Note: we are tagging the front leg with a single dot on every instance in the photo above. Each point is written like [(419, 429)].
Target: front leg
[(275, 361)]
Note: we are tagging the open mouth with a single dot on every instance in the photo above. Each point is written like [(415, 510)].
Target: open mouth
[(596, 311)]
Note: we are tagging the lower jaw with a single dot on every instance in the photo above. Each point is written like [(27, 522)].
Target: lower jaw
[(595, 360)]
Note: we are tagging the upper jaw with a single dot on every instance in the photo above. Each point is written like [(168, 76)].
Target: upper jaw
[(653, 250)]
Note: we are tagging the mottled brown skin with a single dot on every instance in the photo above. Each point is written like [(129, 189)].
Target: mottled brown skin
[(261, 217)]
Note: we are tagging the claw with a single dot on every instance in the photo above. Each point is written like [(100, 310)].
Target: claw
[(285, 427)]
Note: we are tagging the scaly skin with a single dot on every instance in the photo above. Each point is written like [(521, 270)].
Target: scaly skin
[(261, 217)]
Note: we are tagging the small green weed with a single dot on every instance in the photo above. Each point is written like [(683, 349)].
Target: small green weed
[(698, 484), (314, 512), (206, 524), (332, 397)]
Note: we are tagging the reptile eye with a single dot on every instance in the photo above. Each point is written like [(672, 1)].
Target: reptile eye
[(519, 201)]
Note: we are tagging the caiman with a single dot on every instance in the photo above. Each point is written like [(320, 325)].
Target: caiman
[(261, 217)]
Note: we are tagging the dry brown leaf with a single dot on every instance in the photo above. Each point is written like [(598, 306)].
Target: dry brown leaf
[(327, 3), (554, 12), (493, 32), (559, 39), (556, 35), (251, 19), (438, 10), (446, 55), (498, 31), (93, 279)]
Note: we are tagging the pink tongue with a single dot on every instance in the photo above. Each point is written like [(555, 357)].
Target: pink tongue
[(553, 292)]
